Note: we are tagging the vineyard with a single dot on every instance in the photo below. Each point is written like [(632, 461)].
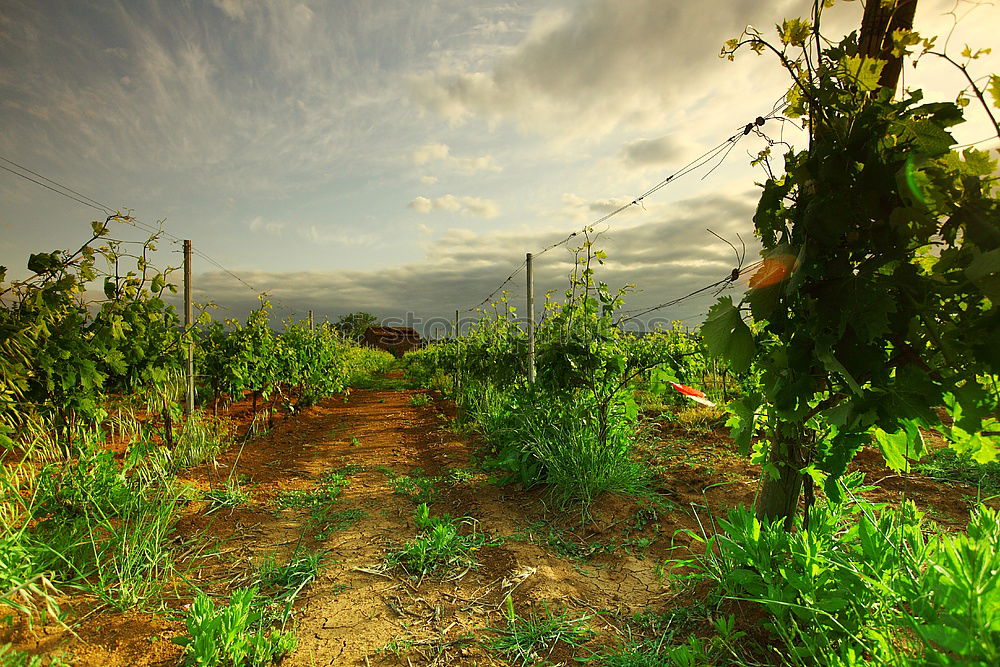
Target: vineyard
[(809, 478)]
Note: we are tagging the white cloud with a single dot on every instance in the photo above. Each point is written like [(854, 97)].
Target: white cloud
[(271, 227), (234, 9), (428, 180), (311, 232), (442, 153), (473, 206), (480, 208), (605, 62), (421, 205), (448, 203), (424, 229), (223, 94), (327, 235), (430, 152)]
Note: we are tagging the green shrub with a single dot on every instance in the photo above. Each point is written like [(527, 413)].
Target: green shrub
[(232, 635), (439, 546), (864, 585), (419, 400), (11, 658)]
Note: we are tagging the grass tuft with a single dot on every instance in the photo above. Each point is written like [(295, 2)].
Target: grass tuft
[(530, 640), (440, 546)]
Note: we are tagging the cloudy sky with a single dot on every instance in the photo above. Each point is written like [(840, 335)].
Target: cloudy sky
[(401, 157)]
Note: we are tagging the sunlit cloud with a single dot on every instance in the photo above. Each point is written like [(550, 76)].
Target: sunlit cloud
[(588, 70), (473, 206), (442, 153)]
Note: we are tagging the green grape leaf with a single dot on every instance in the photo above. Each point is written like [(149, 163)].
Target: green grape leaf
[(863, 72), (743, 421), (727, 336), (896, 447), (928, 136), (984, 264), (831, 364), (42, 262), (794, 32)]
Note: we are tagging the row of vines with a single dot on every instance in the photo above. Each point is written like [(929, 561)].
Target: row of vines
[(67, 349), (93, 439)]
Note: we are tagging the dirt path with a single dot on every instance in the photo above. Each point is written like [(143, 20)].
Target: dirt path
[(401, 453)]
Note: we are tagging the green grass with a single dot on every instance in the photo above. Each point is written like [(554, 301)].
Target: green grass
[(11, 658), (321, 501), (420, 400), (443, 544), (380, 383), (667, 640), (331, 521), (99, 524), (459, 476), (89, 524), (946, 464), (561, 439), (530, 640), (229, 496), (416, 486), (302, 568), (285, 581), (396, 647), (695, 419)]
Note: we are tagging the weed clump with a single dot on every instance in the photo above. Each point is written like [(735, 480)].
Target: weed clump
[(443, 544)]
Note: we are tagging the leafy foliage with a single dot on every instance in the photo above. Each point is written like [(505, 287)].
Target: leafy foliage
[(231, 635), (353, 325), (238, 357), (572, 428), (878, 294), (64, 348), (863, 584)]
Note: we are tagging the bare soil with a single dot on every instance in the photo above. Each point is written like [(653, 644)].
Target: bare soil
[(606, 566)]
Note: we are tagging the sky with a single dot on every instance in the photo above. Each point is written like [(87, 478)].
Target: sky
[(401, 157)]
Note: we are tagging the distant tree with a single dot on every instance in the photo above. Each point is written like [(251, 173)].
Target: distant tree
[(354, 325)]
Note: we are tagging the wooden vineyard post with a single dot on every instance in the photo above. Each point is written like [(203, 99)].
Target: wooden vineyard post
[(458, 367), (188, 323), (311, 321), (531, 320)]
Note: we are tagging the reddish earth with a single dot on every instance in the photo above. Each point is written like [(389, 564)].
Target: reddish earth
[(606, 568)]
